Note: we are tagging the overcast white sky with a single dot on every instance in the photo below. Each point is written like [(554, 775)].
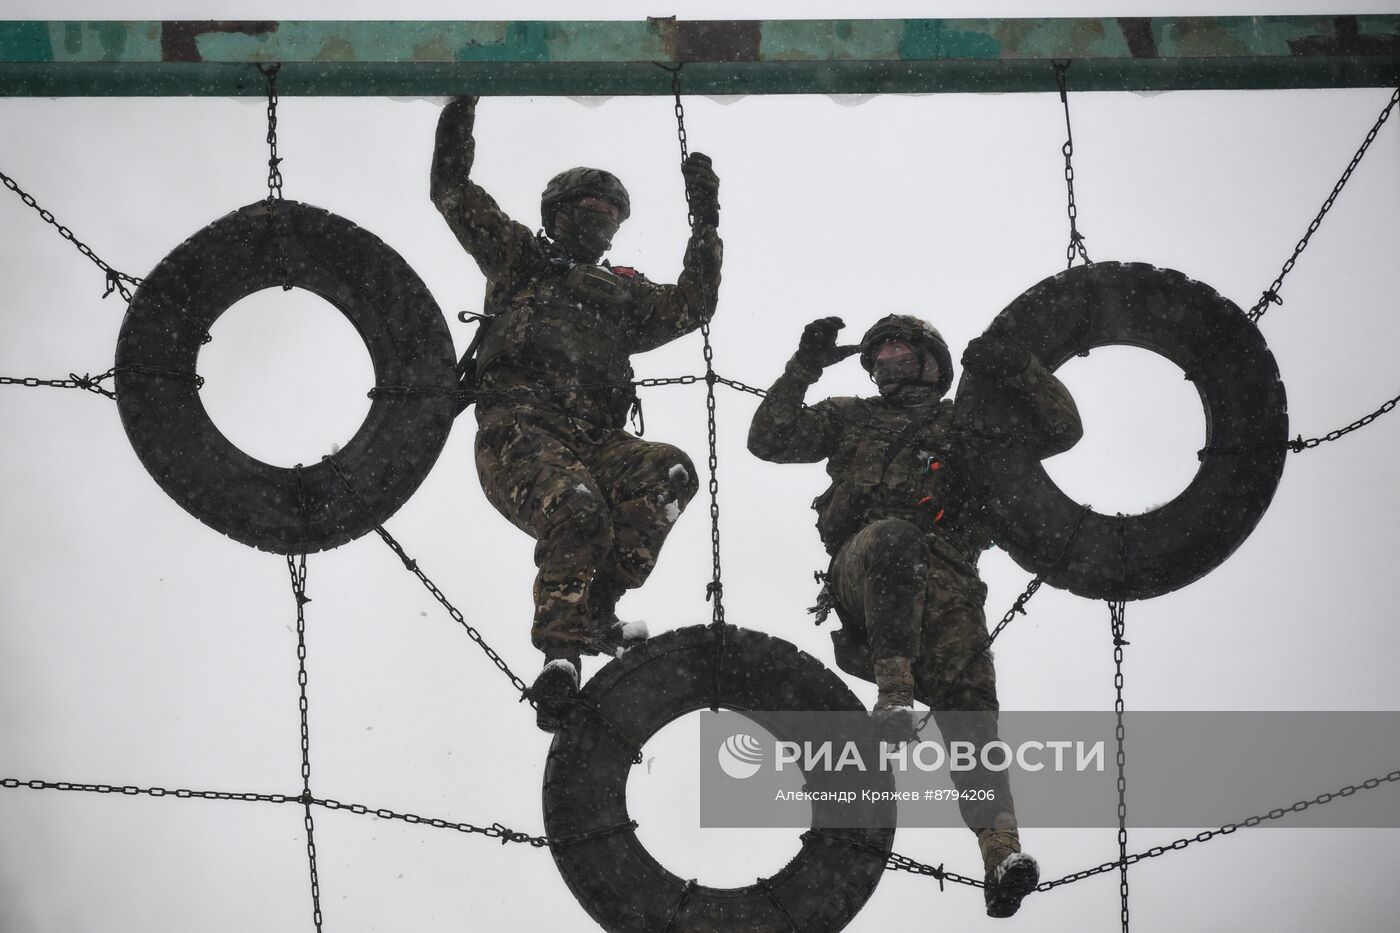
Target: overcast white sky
[(138, 646)]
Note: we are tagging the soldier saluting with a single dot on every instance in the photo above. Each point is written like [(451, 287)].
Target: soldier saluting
[(551, 451), (904, 531)]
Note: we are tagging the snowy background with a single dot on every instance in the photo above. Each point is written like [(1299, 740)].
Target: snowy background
[(139, 647)]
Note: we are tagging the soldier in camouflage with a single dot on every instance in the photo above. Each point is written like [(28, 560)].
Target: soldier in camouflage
[(553, 376), (904, 529)]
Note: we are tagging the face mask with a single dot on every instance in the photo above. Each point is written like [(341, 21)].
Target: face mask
[(582, 234), (895, 365)]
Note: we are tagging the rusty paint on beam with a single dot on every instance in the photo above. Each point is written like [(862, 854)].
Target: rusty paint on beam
[(110, 58)]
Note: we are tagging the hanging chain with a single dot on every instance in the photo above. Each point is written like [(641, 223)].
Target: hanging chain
[(1176, 846), (86, 381), (274, 162), (1271, 295), (412, 566), (116, 281), (897, 862), (494, 831), (1300, 443), (1076, 239), (296, 569), (1116, 612), (715, 591)]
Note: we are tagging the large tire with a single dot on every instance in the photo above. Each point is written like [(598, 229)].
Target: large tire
[(613, 876), (285, 244), (1222, 353)]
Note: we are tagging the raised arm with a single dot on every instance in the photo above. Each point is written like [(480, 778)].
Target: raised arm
[(494, 240), (664, 312), (783, 431), (1054, 417)]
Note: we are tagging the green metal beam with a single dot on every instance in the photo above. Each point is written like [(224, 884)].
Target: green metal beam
[(132, 59)]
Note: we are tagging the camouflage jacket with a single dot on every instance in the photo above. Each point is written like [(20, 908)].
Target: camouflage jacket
[(556, 323), (898, 457)]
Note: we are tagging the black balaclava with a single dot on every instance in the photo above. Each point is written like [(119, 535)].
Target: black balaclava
[(583, 234)]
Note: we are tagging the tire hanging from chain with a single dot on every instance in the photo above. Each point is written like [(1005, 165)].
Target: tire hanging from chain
[(593, 838), (1223, 354)]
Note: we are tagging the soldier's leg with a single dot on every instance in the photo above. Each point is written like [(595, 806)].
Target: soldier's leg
[(646, 485), (534, 479), (958, 681), (878, 576)]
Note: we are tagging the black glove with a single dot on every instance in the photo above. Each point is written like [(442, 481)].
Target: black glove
[(702, 187), (455, 149), (817, 349), (993, 355)]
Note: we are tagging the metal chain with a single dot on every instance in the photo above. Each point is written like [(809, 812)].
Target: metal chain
[(413, 391), (715, 591), (1179, 844), (116, 281), (1116, 612), (1300, 443), (412, 566), (1076, 239), (131, 790), (898, 862), (1271, 295), (274, 162), (86, 381), (1018, 606), (296, 569), (494, 831)]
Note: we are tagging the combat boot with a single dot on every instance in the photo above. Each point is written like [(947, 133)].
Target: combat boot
[(554, 691), (895, 718), (1011, 874), (611, 636)]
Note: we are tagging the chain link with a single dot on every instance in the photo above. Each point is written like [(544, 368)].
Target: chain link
[(1300, 443), (715, 591), (1179, 844), (116, 281), (412, 566), (1076, 239), (131, 790), (274, 162), (1271, 295), (899, 862), (1116, 611), (86, 381), (296, 569), (494, 831)]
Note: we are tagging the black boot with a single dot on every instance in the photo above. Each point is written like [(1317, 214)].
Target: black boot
[(554, 691)]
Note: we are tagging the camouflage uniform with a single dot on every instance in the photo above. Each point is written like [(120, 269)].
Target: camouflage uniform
[(551, 452), (905, 534)]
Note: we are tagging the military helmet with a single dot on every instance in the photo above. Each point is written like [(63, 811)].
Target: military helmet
[(914, 331), (574, 183)]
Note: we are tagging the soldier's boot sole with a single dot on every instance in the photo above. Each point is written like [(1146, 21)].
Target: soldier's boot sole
[(554, 692), (1009, 883)]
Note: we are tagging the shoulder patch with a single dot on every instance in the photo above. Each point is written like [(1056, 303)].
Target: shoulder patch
[(626, 272)]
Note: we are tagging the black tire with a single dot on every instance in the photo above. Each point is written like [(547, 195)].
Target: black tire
[(1222, 353), (613, 876), (258, 504)]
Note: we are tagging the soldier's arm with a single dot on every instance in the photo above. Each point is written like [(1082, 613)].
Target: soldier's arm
[(494, 240), (661, 313), (783, 431), (1056, 418)]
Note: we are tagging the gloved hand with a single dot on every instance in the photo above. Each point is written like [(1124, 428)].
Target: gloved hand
[(817, 349), (702, 185), (455, 149), (994, 355)]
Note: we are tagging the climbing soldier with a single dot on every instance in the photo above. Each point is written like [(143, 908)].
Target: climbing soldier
[(553, 379), (904, 529)]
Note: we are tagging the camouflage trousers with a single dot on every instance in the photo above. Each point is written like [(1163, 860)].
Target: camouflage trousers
[(598, 502), (901, 596)]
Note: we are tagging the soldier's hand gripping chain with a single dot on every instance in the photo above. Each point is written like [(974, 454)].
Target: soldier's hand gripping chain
[(994, 355), (817, 349), (702, 188)]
